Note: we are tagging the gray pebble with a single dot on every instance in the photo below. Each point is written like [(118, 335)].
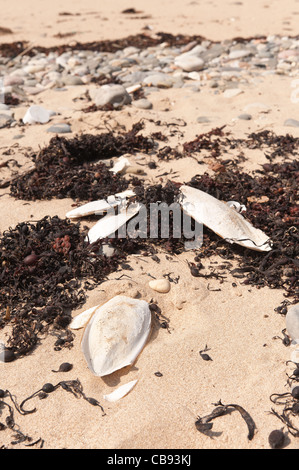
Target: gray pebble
[(245, 117), (60, 128), (291, 123), (143, 103)]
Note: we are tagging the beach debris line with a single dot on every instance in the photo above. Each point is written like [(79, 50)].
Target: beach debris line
[(204, 424), (115, 334)]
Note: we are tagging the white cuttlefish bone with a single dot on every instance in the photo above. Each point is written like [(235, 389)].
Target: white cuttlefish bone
[(121, 391), (79, 321), (110, 223), (121, 164), (115, 334), (222, 219), (100, 206)]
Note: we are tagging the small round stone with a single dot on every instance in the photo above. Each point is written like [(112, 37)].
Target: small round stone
[(160, 285)]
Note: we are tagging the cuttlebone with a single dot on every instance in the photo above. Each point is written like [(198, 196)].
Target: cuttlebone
[(222, 219), (110, 223), (121, 391), (79, 321), (100, 206), (116, 334)]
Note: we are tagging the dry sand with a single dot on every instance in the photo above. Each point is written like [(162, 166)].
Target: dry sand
[(237, 323)]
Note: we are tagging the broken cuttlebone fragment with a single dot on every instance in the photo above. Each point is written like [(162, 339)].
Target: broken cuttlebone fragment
[(83, 318), (100, 206), (222, 219), (121, 165), (116, 334), (109, 224), (121, 391)]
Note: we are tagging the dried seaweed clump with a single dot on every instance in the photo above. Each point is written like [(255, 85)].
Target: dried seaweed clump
[(44, 268), (69, 168)]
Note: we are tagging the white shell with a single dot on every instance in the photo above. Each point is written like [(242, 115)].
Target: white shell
[(100, 206), (222, 219), (116, 334), (121, 391), (109, 224)]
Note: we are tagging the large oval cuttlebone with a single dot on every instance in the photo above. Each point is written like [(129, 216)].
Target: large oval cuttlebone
[(222, 219), (116, 334)]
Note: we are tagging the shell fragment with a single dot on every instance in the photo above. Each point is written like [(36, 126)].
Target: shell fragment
[(222, 219), (121, 391), (100, 206), (116, 334), (109, 224)]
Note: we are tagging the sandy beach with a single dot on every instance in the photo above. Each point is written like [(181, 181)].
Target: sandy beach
[(238, 322)]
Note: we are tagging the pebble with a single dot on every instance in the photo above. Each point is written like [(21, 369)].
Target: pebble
[(60, 128), (245, 117), (36, 114), (291, 123), (189, 63), (160, 285), (292, 322), (72, 80), (5, 120), (116, 95), (232, 92), (143, 103)]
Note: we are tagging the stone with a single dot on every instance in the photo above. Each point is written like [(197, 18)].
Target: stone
[(239, 54), (72, 80), (292, 322), (232, 92), (291, 123), (189, 63), (202, 119), (160, 285), (143, 103), (36, 114), (13, 80), (5, 120), (60, 128), (160, 80), (245, 117), (116, 95)]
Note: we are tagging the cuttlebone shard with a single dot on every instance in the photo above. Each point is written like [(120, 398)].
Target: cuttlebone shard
[(110, 223), (121, 391), (100, 206), (121, 164), (116, 334), (222, 219), (83, 318)]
